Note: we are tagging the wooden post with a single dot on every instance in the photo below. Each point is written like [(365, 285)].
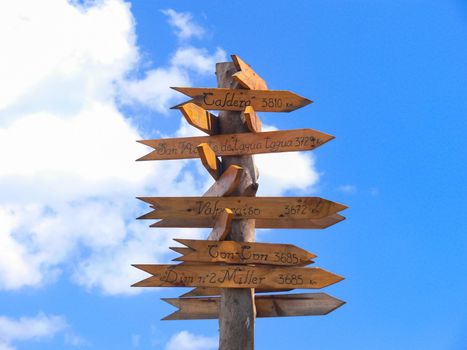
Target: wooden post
[(237, 310)]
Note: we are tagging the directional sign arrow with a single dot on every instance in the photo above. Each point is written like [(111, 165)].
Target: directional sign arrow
[(259, 223), (276, 305), (236, 276), (209, 291), (227, 182), (238, 99), (237, 144), (200, 118), (243, 207), (246, 76), (231, 252), (212, 164), (252, 120), (222, 226)]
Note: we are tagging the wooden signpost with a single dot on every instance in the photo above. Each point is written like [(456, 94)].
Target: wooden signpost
[(243, 207), (259, 223), (239, 99), (231, 252), (229, 268), (236, 276), (200, 118), (237, 144), (276, 305)]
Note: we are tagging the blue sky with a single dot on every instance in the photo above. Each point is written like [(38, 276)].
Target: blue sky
[(82, 81)]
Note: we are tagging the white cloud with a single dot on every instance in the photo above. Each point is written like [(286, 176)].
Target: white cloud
[(183, 24), (68, 176), (29, 328), (187, 341), (153, 90), (198, 60), (347, 189), (280, 172), (57, 57)]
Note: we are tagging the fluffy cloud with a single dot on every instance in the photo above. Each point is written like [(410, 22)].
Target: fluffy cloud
[(68, 177), (347, 189), (187, 341), (183, 24), (29, 328), (153, 90)]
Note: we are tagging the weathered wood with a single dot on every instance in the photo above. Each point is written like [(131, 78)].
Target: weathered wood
[(231, 252), (210, 291), (227, 182), (252, 120), (222, 226), (236, 276), (259, 223), (181, 250), (243, 207), (276, 305), (238, 99), (212, 164), (237, 324), (246, 76), (200, 118), (237, 144)]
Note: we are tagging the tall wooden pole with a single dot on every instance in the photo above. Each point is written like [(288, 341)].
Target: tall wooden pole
[(237, 310)]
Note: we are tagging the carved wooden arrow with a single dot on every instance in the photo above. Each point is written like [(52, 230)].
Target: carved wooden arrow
[(237, 144), (243, 207), (259, 223), (210, 291), (276, 305), (200, 118), (238, 99), (236, 276), (231, 252), (246, 76)]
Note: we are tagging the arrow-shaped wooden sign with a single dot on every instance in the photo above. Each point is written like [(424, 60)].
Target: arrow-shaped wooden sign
[(231, 252), (236, 276), (243, 207), (212, 164), (227, 182), (259, 223), (246, 76), (210, 291), (276, 305), (200, 118), (238, 99), (237, 144), (251, 119)]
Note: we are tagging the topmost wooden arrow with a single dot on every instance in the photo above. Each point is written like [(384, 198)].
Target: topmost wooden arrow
[(246, 76), (239, 99)]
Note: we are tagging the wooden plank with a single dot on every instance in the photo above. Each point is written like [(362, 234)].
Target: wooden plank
[(259, 223), (200, 118), (227, 182), (231, 252), (237, 321), (243, 207), (210, 291), (237, 144), (181, 250), (246, 76), (252, 120), (238, 99), (212, 164), (236, 276), (276, 305), (222, 226)]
